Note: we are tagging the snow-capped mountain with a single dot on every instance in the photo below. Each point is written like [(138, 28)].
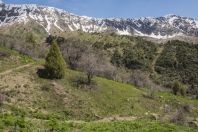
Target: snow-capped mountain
[(52, 18)]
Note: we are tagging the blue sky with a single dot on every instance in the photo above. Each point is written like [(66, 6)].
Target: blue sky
[(121, 8)]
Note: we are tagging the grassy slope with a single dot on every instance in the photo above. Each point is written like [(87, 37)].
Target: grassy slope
[(117, 126), (137, 126), (12, 60), (22, 31), (33, 103)]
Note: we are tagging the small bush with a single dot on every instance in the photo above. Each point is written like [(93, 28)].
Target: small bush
[(21, 122), (187, 108), (82, 82), (53, 124), (178, 88), (175, 87), (138, 78), (8, 120), (183, 90), (4, 55), (167, 108), (150, 94), (179, 117)]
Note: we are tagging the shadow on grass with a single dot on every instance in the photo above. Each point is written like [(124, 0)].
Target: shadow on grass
[(81, 81), (43, 73)]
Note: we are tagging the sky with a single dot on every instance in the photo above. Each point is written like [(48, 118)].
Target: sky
[(120, 8)]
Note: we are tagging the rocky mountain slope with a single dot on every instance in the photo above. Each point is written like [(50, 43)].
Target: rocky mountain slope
[(51, 18)]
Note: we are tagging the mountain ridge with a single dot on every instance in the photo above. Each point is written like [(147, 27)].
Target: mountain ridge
[(166, 27)]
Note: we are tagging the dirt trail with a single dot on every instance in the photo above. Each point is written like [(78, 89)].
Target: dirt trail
[(106, 120), (117, 118), (14, 69), (103, 120), (159, 51)]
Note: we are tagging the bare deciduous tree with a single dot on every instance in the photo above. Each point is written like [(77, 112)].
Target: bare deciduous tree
[(72, 52), (95, 64), (89, 64)]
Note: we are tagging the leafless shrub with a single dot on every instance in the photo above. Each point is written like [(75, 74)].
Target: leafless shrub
[(150, 94), (179, 117), (106, 69), (2, 99), (4, 55), (35, 51), (80, 80), (167, 108), (139, 79), (122, 75), (72, 52), (93, 63), (187, 108)]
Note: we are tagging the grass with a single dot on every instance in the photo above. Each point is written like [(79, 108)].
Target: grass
[(106, 98), (13, 59), (137, 126), (109, 98), (34, 103), (22, 124), (177, 101), (167, 96)]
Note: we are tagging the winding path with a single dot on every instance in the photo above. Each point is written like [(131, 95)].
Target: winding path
[(159, 51), (102, 120), (14, 69)]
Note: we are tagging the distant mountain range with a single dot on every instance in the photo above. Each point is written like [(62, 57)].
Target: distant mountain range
[(50, 19)]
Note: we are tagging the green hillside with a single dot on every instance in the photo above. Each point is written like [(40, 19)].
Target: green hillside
[(31, 103)]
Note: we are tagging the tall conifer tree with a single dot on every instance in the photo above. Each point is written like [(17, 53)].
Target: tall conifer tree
[(55, 64)]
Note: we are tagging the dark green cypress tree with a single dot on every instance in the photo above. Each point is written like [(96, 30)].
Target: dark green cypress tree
[(55, 64)]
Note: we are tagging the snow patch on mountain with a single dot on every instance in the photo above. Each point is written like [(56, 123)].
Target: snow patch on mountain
[(76, 25), (70, 27), (48, 24), (172, 20), (196, 23), (158, 36), (49, 18), (55, 23), (123, 32)]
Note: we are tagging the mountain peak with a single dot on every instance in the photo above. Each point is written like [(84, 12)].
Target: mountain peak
[(170, 15), (51, 18)]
